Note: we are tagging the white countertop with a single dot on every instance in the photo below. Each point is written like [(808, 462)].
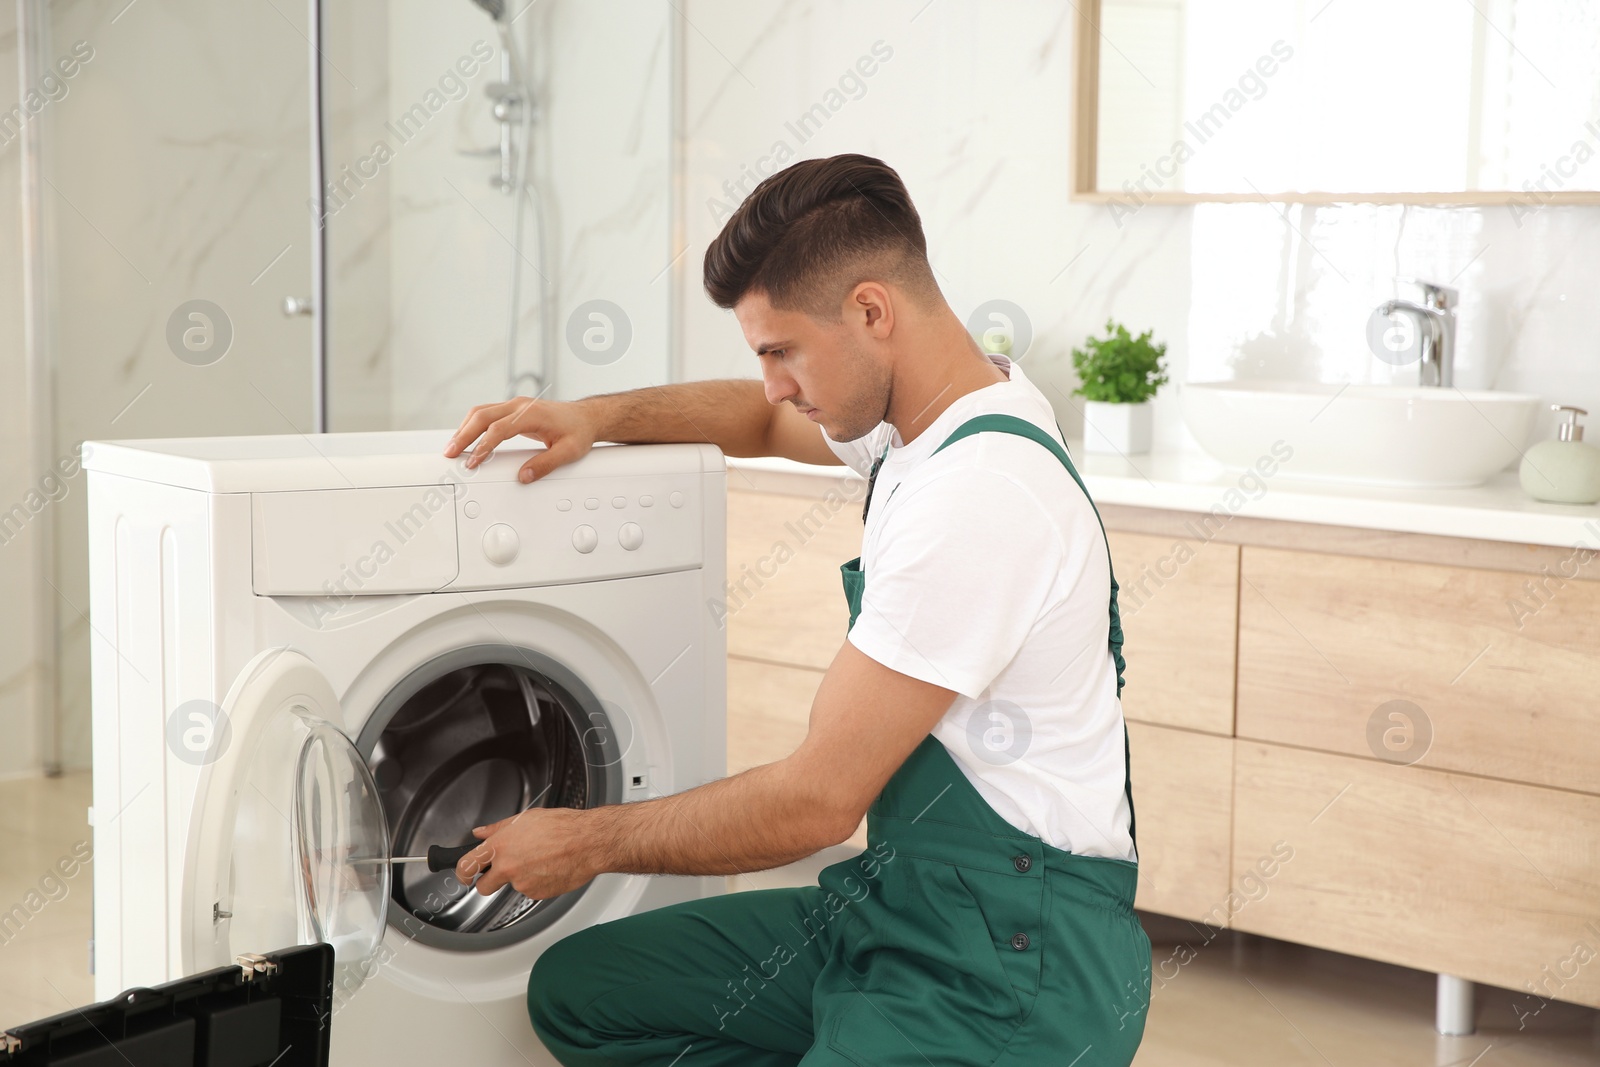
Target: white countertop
[(1498, 510)]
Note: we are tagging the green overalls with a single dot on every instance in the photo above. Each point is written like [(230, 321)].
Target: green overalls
[(954, 939)]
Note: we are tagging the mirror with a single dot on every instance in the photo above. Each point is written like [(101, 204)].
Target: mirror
[(1427, 101)]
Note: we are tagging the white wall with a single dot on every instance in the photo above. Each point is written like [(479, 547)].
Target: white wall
[(601, 76), (175, 155), (421, 245), (974, 111), (180, 170), (19, 651), (179, 165)]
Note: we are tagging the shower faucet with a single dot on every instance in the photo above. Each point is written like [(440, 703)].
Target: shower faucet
[(512, 108), (509, 102), (1436, 317)]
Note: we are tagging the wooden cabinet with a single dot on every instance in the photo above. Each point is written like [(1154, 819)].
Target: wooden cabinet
[(1487, 880), (1178, 599), (785, 601), (786, 617), (1182, 799), (1265, 660), (769, 707), (1506, 685)]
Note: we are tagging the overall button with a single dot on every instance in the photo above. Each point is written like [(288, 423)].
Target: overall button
[(563, 505), (1019, 941), (619, 501), (1022, 863), (676, 499), (592, 503), (631, 536), (647, 501), (470, 509), (500, 544), (584, 539)]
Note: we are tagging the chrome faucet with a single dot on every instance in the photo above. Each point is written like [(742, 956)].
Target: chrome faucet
[(1436, 317)]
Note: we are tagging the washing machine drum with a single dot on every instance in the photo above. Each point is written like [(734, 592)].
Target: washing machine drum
[(465, 741)]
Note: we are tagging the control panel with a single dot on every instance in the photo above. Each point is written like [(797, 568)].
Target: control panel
[(569, 530)]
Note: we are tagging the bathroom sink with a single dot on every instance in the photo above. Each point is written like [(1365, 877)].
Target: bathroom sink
[(1368, 434)]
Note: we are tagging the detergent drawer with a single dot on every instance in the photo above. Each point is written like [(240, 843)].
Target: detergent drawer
[(354, 542)]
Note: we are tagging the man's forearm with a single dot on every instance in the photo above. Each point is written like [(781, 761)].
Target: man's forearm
[(764, 817), (731, 413)]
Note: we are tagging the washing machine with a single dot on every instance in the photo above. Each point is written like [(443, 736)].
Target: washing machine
[(311, 654)]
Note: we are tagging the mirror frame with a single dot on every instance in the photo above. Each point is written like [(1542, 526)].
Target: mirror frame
[(1086, 137)]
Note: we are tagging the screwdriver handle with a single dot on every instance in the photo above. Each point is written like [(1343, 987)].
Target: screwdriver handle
[(441, 858)]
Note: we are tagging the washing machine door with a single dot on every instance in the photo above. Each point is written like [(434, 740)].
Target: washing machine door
[(288, 842)]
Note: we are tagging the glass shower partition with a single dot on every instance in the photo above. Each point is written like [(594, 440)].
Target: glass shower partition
[(497, 204), (176, 279)]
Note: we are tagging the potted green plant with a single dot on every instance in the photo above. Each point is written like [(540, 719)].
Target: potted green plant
[(1119, 373)]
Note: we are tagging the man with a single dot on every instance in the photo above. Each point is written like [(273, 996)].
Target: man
[(972, 713)]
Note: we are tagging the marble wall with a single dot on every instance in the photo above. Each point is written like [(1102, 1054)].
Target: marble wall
[(423, 254), (19, 652), (179, 171), (973, 108)]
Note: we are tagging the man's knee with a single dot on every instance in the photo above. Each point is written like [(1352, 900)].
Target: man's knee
[(564, 980)]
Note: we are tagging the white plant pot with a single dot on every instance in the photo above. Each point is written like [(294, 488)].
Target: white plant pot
[(1119, 429)]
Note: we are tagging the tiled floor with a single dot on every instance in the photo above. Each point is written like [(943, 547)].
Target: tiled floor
[(44, 917), (1241, 1001), (1246, 1001)]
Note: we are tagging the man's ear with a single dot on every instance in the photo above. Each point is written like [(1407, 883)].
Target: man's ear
[(871, 305)]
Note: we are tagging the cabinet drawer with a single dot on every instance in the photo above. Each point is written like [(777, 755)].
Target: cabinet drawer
[(769, 710), (784, 602), (1487, 880), (1182, 789), (1179, 605), (1495, 683)]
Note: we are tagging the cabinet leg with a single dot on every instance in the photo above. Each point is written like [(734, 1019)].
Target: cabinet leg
[(1453, 1008)]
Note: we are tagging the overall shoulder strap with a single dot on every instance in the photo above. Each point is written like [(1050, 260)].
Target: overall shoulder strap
[(1023, 428), (1008, 424)]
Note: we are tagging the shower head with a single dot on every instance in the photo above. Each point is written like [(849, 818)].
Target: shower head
[(495, 8)]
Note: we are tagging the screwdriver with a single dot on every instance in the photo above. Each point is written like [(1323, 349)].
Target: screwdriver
[(439, 858)]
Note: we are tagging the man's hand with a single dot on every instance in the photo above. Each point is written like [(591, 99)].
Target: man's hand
[(566, 429), (542, 852)]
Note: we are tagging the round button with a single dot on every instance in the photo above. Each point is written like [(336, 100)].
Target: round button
[(470, 509), (647, 501), (563, 505), (500, 544), (1022, 863), (1019, 941), (631, 536), (676, 499), (584, 539), (619, 501), (592, 503)]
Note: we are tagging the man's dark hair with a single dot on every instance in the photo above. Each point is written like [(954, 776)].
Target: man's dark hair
[(812, 232)]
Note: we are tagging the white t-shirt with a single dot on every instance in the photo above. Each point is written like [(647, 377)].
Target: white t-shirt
[(987, 573)]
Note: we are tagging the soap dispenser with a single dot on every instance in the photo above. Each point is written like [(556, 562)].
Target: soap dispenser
[(1564, 471)]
